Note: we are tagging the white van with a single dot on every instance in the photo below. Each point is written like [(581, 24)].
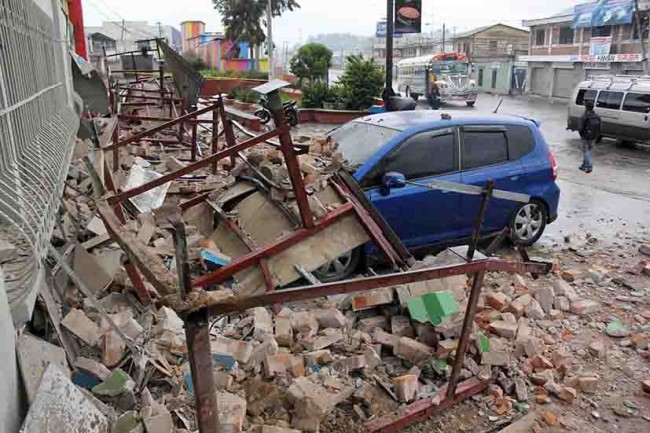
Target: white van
[(622, 102)]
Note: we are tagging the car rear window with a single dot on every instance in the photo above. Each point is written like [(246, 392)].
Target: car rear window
[(637, 102), (585, 95), (609, 100), (482, 148), (520, 141)]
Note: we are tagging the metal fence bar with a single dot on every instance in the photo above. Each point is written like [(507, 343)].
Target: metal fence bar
[(37, 133)]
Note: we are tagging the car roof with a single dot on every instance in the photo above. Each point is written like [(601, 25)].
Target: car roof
[(404, 120)]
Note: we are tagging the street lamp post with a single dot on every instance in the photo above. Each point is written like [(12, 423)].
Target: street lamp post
[(390, 28)]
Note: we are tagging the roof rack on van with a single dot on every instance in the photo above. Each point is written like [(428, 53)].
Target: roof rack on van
[(611, 79)]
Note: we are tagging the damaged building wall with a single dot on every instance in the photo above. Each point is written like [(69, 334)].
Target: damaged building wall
[(39, 116)]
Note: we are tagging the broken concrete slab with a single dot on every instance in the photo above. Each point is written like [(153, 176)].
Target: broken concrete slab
[(284, 363), (504, 329), (319, 357), (283, 329), (129, 422), (117, 383), (406, 387), (92, 367), (262, 323), (60, 407), (240, 350), (330, 336), (231, 412), (34, 356), (369, 324), (372, 298), (330, 318), (304, 322), (82, 327), (113, 348), (90, 271), (412, 350)]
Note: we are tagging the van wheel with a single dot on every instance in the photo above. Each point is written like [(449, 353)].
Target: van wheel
[(340, 268), (415, 96), (434, 102), (528, 222)]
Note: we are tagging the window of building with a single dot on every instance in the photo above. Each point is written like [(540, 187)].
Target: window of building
[(585, 95), (610, 100), (494, 78), (483, 148), (493, 45), (637, 102), (601, 31), (645, 21), (540, 37), (480, 77), (566, 36)]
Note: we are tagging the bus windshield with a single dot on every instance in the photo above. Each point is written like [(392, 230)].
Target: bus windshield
[(449, 68)]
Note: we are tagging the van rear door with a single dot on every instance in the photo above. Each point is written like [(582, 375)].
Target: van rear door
[(634, 122)]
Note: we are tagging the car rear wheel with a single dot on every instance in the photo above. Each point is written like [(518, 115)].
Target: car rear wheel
[(528, 223), (340, 268)]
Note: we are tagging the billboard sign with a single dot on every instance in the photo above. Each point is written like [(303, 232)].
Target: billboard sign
[(408, 16), (599, 46), (381, 30), (603, 13)]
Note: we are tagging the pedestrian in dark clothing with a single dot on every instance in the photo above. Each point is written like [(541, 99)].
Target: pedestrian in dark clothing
[(589, 132)]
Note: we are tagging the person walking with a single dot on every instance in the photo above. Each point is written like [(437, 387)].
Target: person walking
[(589, 132)]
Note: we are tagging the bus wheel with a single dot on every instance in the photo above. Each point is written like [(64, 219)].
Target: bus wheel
[(434, 102), (415, 96), (470, 103)]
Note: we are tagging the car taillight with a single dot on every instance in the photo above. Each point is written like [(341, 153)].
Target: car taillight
[(553, 162)]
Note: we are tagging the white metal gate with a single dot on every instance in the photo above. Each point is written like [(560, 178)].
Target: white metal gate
[(37, 133)]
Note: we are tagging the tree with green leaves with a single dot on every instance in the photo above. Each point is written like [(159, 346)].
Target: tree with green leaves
[(312, 62), (245, 20), (362, 81)]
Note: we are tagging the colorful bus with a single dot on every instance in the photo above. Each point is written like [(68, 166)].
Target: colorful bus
[(443, 77)]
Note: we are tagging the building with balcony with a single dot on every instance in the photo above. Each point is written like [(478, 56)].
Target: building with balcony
[(559, 56), (494, 51)]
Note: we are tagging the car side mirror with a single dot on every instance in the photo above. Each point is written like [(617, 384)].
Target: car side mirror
[(392, 180)]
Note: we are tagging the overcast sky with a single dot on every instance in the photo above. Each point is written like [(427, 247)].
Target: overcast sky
[(328, 16)]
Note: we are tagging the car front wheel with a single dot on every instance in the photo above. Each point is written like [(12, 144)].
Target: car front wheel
[(528, 223), (340, 268)]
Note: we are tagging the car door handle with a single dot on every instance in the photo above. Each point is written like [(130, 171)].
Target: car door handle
[(514, 178)]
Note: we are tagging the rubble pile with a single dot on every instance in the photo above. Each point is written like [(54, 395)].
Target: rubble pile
[(324, 365)]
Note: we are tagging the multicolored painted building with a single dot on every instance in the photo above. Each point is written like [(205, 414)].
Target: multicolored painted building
[(216, 51)]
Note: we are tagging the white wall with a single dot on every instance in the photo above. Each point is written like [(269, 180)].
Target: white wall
[(10, 397)]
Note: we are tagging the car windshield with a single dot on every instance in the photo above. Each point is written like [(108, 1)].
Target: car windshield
[(359, 140), (449, 68)]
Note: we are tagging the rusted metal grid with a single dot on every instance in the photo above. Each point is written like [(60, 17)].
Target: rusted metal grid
[(196, 305)]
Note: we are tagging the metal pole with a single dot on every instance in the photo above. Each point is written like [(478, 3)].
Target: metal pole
[(476, 230), (640, 31), (390, 29), (269, 38), (444, 37)]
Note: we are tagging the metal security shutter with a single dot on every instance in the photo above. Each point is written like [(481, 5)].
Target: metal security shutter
[(537, 82), (564, 83)]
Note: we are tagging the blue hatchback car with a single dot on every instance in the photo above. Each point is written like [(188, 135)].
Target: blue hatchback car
[(464, 148)]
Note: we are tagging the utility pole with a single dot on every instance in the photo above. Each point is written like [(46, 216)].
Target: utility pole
[(640, 32), (444, 36), (269, 38), (390, 29), (159, 30)]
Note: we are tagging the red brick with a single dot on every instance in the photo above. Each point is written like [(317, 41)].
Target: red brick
[(584, 306), (497, 300), (406, 387), (412, 350), (504, 329)]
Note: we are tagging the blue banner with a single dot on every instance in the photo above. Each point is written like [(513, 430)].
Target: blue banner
[(603, 13)]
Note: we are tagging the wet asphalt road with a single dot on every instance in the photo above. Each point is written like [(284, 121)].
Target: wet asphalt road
[(614, 199)]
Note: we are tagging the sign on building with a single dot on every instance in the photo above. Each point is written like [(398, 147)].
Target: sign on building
[(408, 16), (381, 30), (603, 13), (600, 45)]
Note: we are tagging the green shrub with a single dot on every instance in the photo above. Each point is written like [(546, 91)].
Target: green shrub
[(244, 94), (254, 75), (362, 82), (194, 60), (315, 94)]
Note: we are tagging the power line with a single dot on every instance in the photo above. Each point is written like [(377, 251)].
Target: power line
[(121, 22)]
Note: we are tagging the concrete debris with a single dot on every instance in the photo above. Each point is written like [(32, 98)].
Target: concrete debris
[(59, 406), (231, 411), (82, 327), (117, 383), (406, 387), (34, 357)]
